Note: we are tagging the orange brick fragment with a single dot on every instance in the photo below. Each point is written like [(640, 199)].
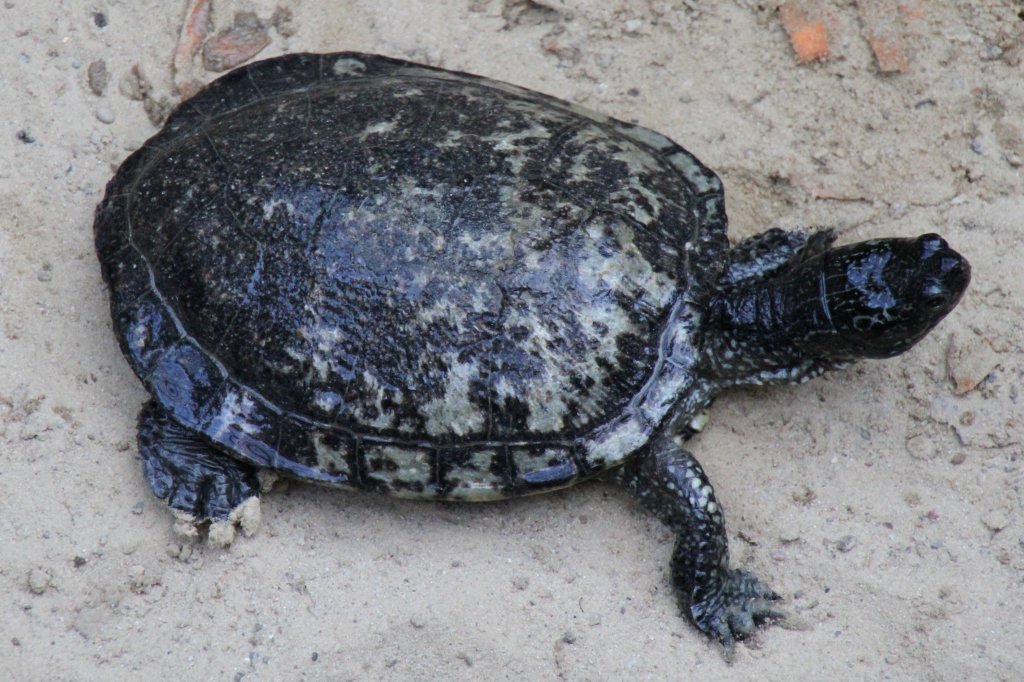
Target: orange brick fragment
[(883, 28), (808, 36)]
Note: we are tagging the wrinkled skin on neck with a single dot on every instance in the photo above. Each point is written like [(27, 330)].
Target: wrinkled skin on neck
[(874, 299)]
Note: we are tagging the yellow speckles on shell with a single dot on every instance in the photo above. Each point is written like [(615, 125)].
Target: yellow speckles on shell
[(454, 413), (348, 66), (472, 475), (378, 128), (331, 458), (234, 413), (398, 468)]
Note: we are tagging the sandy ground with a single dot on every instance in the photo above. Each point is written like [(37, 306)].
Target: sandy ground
[(884, 504)]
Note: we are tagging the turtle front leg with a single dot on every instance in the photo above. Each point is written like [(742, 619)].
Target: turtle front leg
[(725, 603), (187, 472)]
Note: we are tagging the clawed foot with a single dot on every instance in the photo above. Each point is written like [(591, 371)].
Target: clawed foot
[(734, 610), (187, 472)]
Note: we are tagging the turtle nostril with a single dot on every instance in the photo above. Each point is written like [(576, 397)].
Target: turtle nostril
[(931, 244)]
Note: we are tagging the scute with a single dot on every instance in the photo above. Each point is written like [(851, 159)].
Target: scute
[(392, 268)]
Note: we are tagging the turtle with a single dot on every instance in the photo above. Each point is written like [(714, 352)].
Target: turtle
[(378, 275)]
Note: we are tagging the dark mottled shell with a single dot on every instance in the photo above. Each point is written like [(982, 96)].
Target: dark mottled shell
[(378, 274)]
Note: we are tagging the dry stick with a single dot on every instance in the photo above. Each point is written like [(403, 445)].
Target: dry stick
[(193, 33)]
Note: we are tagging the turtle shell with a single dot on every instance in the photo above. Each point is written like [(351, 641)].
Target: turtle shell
[(377, 274)]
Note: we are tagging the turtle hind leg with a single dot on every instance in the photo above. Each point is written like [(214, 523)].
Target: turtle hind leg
[(723, 602), (188, 473)]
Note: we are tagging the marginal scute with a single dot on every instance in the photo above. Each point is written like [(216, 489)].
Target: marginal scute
[(375, 274)]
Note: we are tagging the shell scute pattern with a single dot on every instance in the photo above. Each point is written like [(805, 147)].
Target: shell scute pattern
[(417, 280)]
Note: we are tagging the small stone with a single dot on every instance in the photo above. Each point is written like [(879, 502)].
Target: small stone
[(969, 360), (98, 77), (133, 86), (846, 543), (79, 561), (418, 621), (991, 53), (898, 209), (39, 581), (920, 447), (633, 25), (105, 116), (958, 459), (569, 637), (803, 496), (520, 582), (995, 520), (138, 507)]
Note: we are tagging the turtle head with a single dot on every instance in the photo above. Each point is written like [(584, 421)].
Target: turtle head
[(883, 296)]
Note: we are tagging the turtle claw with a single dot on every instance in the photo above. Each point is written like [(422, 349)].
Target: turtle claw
[(735, 610)]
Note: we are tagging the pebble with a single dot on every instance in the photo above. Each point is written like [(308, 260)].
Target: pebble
[(995, 520), (98, 77), (38, 581), (846, 543), (969, 360), (920, 447), (105, 116)]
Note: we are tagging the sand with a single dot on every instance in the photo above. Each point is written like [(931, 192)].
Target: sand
[(883, 502)]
